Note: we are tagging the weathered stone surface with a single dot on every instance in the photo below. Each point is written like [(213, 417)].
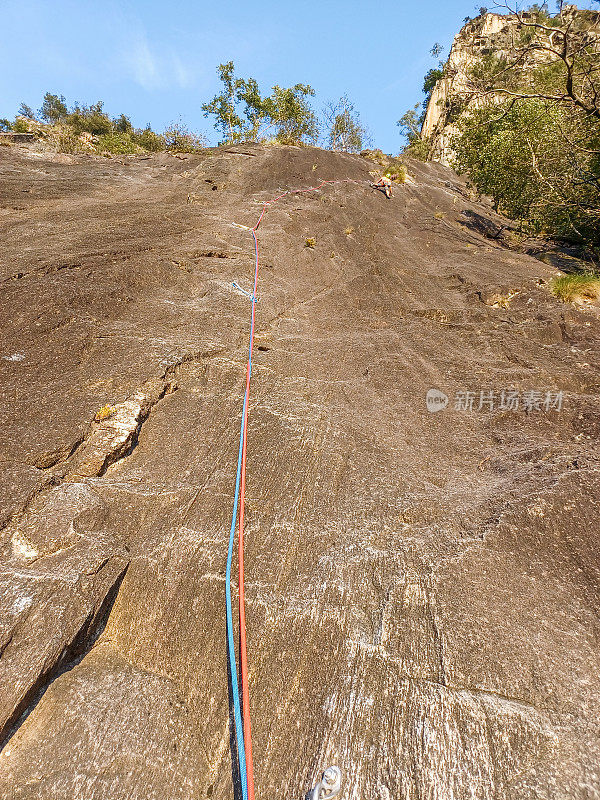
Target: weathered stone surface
[(422, 588)]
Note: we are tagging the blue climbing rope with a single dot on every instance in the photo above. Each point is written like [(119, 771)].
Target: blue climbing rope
[(237, 712), (242, 721)]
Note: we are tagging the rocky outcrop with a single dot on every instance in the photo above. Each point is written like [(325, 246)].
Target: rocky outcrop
[(422, 588), (487, 34)]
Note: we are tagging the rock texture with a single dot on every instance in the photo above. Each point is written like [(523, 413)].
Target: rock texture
[(423, 588)]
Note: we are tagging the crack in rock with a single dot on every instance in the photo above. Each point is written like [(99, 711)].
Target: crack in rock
[(115, 437), (54, 655)]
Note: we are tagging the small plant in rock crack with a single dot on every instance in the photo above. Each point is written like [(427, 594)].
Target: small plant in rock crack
[(349, 230), (105, 412), (310, 242)]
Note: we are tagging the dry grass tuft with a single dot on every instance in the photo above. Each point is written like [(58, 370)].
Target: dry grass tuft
[(310, 242), (582, 287), (499, 300)]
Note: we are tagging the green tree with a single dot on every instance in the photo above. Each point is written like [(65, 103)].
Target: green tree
[(343, 127), (53, 108), (122, 124), (528, 127), (26, 111), (291, 115), (410, 127), (254, 110), (224, 106), (411, 122), (539, 163), (91, 119)]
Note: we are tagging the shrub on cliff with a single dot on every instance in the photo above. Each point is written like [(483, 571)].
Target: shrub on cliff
[(91, 129), (577, 288), (148, 140), (179, 139), (118, 143), (20, 125), (90, 119)]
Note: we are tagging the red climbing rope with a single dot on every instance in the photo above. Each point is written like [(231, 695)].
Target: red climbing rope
[(242, 609)]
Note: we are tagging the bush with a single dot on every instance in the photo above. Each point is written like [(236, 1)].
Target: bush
[(178, 139), (118, 143), (430, 80), (69, 142), (148, 140), (418, 149), (20, 125), (90, 129), (122, 124), (396, 171), (105, 412), (377, 156), (90, 119), (393, 166)]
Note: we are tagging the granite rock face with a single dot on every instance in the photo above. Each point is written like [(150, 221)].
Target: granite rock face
[(423, 588)]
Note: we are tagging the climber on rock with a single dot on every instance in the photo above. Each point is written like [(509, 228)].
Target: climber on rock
[(384, 184)]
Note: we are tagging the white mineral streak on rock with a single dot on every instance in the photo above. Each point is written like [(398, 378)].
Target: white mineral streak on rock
[(21, 603), (22, 549)]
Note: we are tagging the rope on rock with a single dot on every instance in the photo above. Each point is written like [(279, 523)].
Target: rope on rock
[(243, 733)]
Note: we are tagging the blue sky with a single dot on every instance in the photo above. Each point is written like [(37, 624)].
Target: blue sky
[(155, 61)]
